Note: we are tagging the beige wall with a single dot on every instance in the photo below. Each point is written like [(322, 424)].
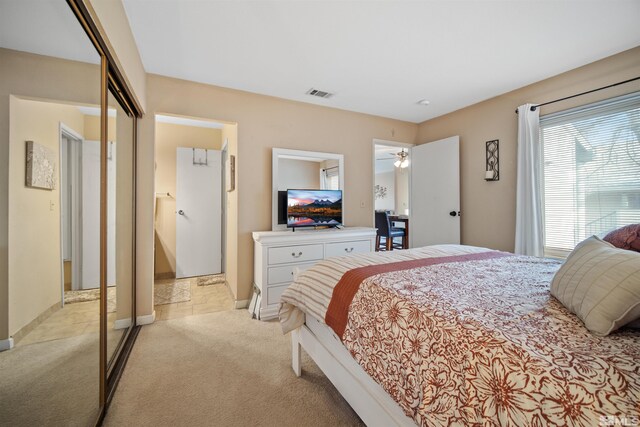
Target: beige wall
[(263, 123), (168, 138), (111, 20), (34, 214), (92, 128), (29, 75), (387, 180), (301, 174), (488, 208)]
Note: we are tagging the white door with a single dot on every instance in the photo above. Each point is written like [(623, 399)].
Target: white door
[(91, 215), (198, 212), (435, 193)]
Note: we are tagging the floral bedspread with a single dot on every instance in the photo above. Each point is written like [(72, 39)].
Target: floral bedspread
[(482, 342), (475, 342)]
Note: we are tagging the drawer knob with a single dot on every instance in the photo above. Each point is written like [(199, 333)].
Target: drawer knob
[(348, 250), (293, 254)]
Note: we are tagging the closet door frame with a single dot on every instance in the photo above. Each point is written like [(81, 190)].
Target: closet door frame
[(111, 77)]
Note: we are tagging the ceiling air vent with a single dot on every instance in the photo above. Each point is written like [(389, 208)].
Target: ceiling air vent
[(319, 93)]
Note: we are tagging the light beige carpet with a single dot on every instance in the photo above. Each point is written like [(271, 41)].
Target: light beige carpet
[(52, 383), (222, 369)]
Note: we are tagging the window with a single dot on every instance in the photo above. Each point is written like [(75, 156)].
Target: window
[(591, 169)]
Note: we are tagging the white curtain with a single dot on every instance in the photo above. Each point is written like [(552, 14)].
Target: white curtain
[(529, 210), (324, 179)]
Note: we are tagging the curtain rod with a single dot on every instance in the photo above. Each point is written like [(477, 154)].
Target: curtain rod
[(333, 167), (533, 107)]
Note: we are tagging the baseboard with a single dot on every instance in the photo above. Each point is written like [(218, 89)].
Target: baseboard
[(6, 344), (147, 319), (244, 303), (22, 332), (164, 276), (122, 323)]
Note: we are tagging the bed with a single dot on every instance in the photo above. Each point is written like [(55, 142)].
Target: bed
[(458, 335)]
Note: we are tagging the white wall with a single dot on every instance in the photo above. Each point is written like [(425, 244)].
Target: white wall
[(386, 179)]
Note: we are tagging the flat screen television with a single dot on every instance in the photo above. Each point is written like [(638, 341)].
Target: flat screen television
[(314, 208)]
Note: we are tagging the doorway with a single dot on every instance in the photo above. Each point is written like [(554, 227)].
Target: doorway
[(392, 162), (189, 222)]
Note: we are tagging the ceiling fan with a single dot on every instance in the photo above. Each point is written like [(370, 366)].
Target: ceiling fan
[(402, 159)]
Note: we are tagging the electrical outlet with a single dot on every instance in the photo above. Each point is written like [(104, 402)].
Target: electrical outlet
[(362, 204)]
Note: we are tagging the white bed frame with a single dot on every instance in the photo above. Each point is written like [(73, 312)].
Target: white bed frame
[(372, 404)]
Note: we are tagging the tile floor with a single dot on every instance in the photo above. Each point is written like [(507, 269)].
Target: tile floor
[(204, 299), (70, 321), (83, 317)]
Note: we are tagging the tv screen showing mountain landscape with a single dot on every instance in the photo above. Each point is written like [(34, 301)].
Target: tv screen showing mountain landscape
[(309, 208)]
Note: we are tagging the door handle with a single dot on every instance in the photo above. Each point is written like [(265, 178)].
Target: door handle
[(454, 213), (180, 212)]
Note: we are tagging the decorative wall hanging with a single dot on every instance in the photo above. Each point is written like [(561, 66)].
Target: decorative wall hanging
[(231, 173), (41, 167), (492, 162), (380, 192)]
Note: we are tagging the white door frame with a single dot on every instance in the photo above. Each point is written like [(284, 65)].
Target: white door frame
[(398, 144), (223, 202), (76, 255)]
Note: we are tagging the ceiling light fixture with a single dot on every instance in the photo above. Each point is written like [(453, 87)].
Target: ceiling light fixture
[(402, 159)]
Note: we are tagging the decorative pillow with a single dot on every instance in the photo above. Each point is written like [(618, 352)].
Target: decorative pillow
[(600, 284), (627, 237)]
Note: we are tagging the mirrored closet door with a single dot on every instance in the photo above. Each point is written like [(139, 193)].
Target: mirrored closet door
[(50, 82), (67, 288)]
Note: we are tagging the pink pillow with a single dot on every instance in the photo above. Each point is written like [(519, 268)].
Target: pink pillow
[(627, 237)]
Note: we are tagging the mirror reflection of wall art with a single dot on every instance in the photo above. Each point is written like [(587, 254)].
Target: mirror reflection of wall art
[(381, 192), (41, 166)]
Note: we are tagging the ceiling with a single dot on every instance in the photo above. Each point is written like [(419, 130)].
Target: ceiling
[(379, 57), (45, 28), (385, 156)]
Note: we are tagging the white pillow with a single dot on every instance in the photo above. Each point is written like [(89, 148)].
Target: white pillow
[(600, 284)]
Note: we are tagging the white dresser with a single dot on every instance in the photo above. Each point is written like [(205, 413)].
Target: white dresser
[(277, 254)]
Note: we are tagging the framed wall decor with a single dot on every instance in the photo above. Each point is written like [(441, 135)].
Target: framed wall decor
[(492, 161), (41, 167), (231, 174)]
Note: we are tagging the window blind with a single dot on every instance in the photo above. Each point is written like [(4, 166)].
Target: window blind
[(591, 171)]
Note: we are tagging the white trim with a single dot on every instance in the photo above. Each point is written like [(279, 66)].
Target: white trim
[(146, 319), (243, 303), (122, 323), (73, 150), (6, 344), (367, 398), (408, 146)]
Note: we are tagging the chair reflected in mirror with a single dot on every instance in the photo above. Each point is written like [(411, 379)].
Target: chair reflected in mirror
[(389, 233)]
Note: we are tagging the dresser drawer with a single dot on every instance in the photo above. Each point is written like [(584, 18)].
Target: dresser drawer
[(347, 248), (285, 273), (274, 293), (296, 254)]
